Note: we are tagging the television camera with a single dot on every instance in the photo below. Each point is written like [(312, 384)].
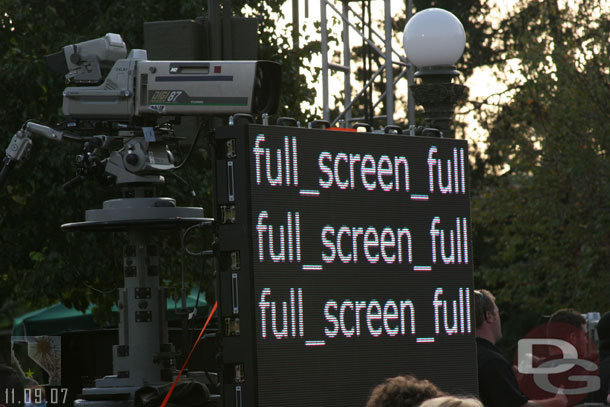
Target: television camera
[(132, 98), (132, 101), (138, 88)]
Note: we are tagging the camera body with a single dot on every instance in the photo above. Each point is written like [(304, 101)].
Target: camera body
[(202, 87), (138, 87)]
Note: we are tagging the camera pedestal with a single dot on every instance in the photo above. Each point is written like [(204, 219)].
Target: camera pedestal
[(144, 356)]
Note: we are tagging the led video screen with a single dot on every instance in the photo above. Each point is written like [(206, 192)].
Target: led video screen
[(360, 261)]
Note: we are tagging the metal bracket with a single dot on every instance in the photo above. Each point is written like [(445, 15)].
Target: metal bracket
[(153, 271), (143, 316), (122, 350), (142, 293), (130, 271)]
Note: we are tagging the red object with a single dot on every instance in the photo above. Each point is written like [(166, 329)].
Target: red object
[(171, 390), (217, 69), (340, 129)]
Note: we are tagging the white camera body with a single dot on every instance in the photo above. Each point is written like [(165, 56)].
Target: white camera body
[(137, 87)]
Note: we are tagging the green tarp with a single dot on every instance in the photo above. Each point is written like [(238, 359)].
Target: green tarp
[(58, 318)]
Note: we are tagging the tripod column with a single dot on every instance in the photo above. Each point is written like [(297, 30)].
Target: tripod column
[(142, 306)]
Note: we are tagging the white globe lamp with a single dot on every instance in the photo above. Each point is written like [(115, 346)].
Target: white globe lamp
[(434, 38), (434, 41)]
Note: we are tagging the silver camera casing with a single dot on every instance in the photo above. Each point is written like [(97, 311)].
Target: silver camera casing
[(194, 87), (112, 100), (137, 87)]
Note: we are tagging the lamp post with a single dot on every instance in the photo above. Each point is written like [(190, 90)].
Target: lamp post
[(434, 41)]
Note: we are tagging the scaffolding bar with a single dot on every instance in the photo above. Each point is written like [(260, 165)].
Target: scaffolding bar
[(347, 84), (389, 69), (367, 33), (324, 49), (351, 103)]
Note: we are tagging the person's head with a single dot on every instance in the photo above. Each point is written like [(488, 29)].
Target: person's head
[(402, 391), (487, 316), (569, 325), (569, 316), (452, 401)]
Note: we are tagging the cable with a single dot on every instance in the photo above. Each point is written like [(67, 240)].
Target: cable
[(190, 185), (194, 313), (188, 155), (187, 183), (203, 253), (6, 168), (97, 290), (171, 390)]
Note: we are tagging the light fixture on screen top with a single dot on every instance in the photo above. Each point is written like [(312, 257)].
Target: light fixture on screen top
[(434, 40)]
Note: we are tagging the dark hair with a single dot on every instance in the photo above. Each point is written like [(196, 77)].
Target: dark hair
[(557, 325), (568, 316), (402, 391), (483, 303)]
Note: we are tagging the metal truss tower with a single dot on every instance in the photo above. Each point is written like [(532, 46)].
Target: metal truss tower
[(362, 25)]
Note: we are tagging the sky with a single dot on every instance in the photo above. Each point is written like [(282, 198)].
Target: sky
[(481, 85)]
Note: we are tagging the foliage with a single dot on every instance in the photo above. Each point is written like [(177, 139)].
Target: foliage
[(276, 45), (541, 218), (41, 264)]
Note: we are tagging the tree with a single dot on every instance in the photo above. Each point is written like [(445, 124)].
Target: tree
[(541, 215), (41, 264)]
